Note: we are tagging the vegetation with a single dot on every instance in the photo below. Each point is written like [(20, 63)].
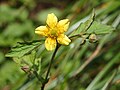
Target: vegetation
[(90, 62)]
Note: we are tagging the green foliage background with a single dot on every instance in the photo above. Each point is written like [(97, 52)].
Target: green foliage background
[(79, 66)]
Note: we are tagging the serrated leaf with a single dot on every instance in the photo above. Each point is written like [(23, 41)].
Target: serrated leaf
[(99, 28), (26, 59), (21, 49), (84, 26)]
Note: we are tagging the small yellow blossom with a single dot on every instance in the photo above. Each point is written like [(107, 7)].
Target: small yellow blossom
[(54, 31)]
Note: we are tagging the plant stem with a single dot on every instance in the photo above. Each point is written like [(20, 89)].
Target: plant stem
[(49, 67)]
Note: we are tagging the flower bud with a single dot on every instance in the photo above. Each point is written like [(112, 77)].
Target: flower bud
[(25, 68), (92, 38)]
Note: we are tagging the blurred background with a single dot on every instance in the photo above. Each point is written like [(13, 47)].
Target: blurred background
[(98, 64)]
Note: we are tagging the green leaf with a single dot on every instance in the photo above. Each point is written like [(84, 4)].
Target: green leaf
[(91, 26), (26, 60), (99, 28), (84, 26), (23, 48)]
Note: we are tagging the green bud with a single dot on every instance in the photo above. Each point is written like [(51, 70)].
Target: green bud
[(93, 38)]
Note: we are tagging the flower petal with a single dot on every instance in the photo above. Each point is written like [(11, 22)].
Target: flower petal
[(50, 44), (41, 30), (63, 39), (63, 25), (51, 20)]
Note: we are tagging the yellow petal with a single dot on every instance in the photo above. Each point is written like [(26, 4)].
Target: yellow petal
[(63, 22), (41, 30), (63, 39), (63, 25), (50, 44), (51, 20)]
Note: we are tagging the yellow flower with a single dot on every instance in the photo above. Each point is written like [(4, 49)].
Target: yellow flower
[(54, 31)]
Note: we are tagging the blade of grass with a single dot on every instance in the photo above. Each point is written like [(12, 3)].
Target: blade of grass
[(107, 84), (103, 72), (91, 58)]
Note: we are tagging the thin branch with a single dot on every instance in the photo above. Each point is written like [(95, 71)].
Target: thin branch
[(95, 53), (78, 35), (49, 68)]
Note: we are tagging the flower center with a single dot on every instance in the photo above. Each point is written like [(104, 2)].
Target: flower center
[(53, 33)]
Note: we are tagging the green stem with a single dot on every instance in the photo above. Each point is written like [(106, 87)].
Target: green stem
[(49, 68), (78, 35)]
